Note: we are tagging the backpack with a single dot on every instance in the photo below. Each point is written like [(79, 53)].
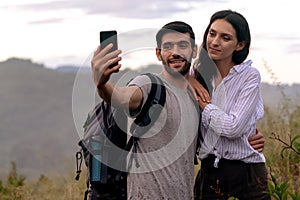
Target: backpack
[(102, 131)]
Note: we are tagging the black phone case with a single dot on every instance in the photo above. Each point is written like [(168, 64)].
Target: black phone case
[(107, 37)]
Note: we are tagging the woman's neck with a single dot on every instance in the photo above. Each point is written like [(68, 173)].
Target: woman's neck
[(223, 70), (224, 67)]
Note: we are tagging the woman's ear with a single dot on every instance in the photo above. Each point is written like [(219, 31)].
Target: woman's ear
[(158, 54), (240, 46)]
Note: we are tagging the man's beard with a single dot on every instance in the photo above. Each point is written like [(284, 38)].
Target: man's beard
[(175, 73)]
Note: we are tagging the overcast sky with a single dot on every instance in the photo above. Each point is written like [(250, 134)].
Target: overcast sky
[(67, 31)]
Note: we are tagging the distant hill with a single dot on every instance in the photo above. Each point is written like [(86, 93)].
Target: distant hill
[(67, 68), (273, 95), (37, 128)]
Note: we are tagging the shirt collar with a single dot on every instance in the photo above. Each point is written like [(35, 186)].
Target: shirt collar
[(241, 67), (237, 69)]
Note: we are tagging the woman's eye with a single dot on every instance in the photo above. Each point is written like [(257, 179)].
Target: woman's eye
[(212, 33)]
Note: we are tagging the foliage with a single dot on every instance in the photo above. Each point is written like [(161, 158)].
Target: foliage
[(64, 188), (293, 144), (283, 156), (12, 190), (278, 190)]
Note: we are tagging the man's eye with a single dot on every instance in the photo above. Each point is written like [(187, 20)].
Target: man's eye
[(183, 45), (167, 46)]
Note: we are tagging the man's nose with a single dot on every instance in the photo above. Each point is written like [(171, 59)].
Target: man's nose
[(175, 49)]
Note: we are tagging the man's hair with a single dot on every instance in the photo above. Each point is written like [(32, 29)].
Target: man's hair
[(175, 26)]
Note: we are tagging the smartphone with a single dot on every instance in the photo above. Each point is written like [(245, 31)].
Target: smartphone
[(107, 37)]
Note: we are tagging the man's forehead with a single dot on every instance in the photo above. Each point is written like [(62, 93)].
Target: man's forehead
[(175, 37)]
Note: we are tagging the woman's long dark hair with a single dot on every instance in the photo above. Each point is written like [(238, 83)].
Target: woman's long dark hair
[(204, 70)]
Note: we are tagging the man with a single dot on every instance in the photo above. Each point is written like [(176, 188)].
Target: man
[(166, 152)]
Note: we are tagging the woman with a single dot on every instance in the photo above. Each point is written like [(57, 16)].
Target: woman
[(230, 167)]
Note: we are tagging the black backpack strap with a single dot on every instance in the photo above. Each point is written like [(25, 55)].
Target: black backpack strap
[(155, 100)]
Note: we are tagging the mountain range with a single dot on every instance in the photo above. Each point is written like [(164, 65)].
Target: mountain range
[(37, 128)]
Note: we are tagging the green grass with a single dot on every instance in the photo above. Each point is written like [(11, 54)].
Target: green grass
[(61, 188)]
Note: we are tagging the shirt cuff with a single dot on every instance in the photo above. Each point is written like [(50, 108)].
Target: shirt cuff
[(206, 114)]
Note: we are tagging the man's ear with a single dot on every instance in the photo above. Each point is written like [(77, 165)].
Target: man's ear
[(158, 54), (240, 46), (195, 51)]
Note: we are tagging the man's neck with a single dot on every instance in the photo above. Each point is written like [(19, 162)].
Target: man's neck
[(177, 80)]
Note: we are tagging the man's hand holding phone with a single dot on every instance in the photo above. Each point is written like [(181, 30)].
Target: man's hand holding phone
[(105, 59)]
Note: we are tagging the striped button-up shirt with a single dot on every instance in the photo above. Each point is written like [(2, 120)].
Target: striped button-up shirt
[(231, 118)]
